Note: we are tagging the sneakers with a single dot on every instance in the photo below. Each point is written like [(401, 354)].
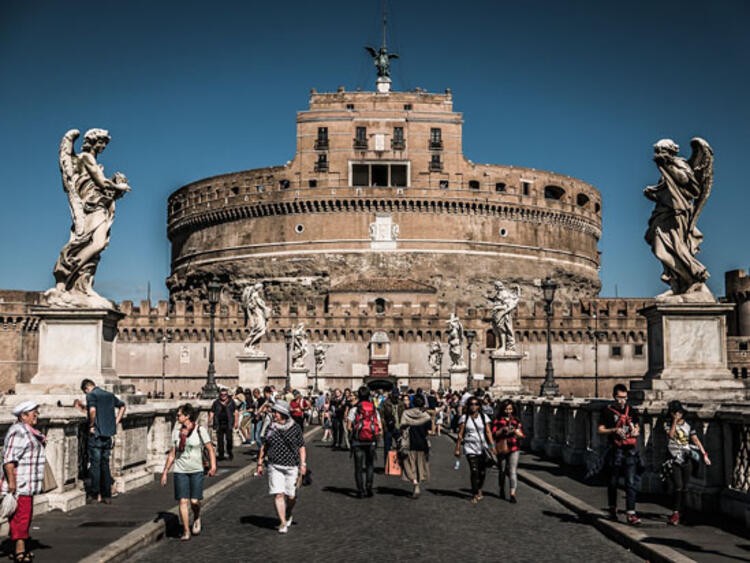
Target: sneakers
[(633, 519), (513, 499), (197, 527), (674, 520), (284, 529)]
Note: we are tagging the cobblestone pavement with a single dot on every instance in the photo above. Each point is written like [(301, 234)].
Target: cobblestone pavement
[(330, 524)]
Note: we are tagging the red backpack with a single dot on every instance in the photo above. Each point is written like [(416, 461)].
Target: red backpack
[(366, 426), (623, 420)]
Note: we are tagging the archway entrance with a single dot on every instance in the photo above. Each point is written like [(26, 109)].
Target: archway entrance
[(386, 383)]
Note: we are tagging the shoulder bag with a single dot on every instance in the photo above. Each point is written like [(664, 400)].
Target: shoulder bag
[(205, 456), (488, 456)]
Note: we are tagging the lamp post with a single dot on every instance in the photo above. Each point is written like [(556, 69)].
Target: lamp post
[(288, 340), (470, 336), (210, 389), (164, 338), (549, 387), (596, 334)]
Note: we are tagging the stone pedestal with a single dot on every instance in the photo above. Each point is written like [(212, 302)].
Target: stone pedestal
[(74, 344), (383, 84), (687, 354), (459, 377), (252, 372), (506, 368), (299, 378)]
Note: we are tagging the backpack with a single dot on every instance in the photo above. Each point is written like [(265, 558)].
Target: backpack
[(623, 420), (366, 423)]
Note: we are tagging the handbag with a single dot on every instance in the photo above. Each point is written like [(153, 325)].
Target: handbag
[(392, 465), (49, 483), (205, 456)]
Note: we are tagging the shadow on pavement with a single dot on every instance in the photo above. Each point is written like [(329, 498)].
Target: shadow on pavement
[(171, 524), (564, 517), (346, 491), (687, 546), (393, 491), (260, 521), (8, 546), (449, 493)]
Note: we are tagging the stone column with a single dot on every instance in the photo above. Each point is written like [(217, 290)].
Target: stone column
[(506, 369), (687, 354), (252, 371)]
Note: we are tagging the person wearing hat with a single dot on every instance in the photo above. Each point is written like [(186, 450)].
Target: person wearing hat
[(284, 449), (682, 453), (23, 468)]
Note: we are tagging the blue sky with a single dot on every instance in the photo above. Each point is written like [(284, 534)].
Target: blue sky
[(191, 89)]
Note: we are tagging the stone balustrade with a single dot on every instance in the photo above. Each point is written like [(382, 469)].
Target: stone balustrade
[(566, 430)]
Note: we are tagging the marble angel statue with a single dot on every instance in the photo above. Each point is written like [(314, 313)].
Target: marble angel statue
[(503, 302), (455, 341), (91, 197), (299, 346), (256, 315)]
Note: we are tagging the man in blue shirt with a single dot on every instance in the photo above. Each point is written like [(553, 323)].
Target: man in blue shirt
[(102, 421)]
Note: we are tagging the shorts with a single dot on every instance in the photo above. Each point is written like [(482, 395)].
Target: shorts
[(282, 479), (188, 485)]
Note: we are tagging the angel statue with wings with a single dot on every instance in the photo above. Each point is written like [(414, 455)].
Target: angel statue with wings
[(455, 340), (382, 60), (256, 315), (503, 302), (319, 351), (91, 197), (672, 232), (299, 346)]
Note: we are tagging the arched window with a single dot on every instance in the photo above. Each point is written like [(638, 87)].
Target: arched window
[(582, 200), (380, 306), (553, 192)]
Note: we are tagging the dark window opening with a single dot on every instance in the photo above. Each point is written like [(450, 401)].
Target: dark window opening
[(350, 106), (490, 343), (322, 164), (638, 350), (744, 373), (176, 206), (380, 306), (313, 183), (743, 346), (525, 188), (436, 138), (284, 184), (235, 190), (500, 187), (360, 138), (398, 143), (597, 207), (553, 192), (617, 351), (398, 175), (407, 107), (379, 175), (435, 164), (321, 143), (444, 184), (360, 175), (582, 200), (473, 184)]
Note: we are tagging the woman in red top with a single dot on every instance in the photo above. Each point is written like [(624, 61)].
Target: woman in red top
[(297, 409), (507, 428)]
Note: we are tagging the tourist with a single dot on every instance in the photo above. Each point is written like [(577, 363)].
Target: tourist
[(351, 400), (475, 435), (23, 465), (363, 423), (186, 454), (415, 460), (620, 423), (682, 455), (224, 418), (325, 418), (247, 417), (102, 422), (284, 448), (337, 418), (507, 431), (298, 408), (390, 413), (263, 415)]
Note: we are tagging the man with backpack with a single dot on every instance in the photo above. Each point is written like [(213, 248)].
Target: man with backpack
[(363, 423), (620, 423)]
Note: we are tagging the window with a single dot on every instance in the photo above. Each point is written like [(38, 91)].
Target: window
[(638, 350), (235, 190), (381, 174), (500, 187), (321, 143), (743, 346), (435, 164), (350, 107), (582, 200), (312, 182), (259, 188), (379, 306), (553, 192), (360, 138), (407, 107), (473, 184), (398, 143), (436, 138), (284, 184), (616, 351), (444, 184), (322, 164), (525, 188), (299, 228), (503, 232)]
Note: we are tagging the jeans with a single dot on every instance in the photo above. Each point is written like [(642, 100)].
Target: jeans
[(338, 432), (680, 479), (364, 462), (100, 450), (478, 471), (256, 431), (224, 434), (509, 466), (625, 463)]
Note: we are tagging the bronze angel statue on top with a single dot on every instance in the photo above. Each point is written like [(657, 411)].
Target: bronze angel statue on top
[(382, 60), (91, 197), (673, 233)]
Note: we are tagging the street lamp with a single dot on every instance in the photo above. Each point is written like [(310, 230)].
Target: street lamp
[(164, 338), (549, 387), (210, 389), (596, 334), (470, 336), (288, 340)]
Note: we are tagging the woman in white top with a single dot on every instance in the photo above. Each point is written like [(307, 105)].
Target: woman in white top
[(186, 454), (475, 435), (682, 452)]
